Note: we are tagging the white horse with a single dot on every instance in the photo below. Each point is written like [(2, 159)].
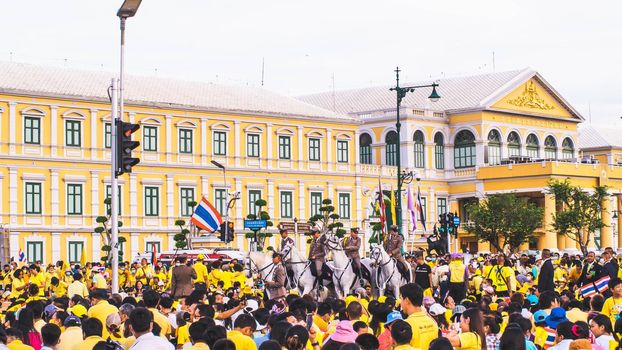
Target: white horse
[(386, 274), (261, 263), (344, 277)]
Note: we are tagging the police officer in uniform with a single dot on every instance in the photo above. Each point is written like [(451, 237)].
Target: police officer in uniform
[(317, 254), (287, 244), (393, 246), (351, 246)]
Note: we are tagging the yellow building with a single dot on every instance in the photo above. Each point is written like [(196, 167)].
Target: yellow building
[(499, 132)]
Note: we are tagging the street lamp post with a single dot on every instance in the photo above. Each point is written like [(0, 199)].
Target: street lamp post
[(404, 177), (224, 177), (128, 9)]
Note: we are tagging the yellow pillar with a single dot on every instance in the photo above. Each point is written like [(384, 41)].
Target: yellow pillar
[(549, 239), (561, 242), (483, 246), (570, 243), (606, 233)]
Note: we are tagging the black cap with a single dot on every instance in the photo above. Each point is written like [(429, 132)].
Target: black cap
[(276, 254)]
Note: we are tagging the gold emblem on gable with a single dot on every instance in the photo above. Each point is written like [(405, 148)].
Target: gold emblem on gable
[(530, 98)]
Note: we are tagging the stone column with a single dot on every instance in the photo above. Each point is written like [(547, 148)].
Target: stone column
[(357, 155), (329, 150), (561, 242), (301, 147), (236, 142), (549, 240), (271, 195), (359, 202), (205, 186), (93, 142), (170, 201), (13, 195), (302, 217), (94, 197), (53, 130), (606, 233), (12, 126), (133, 201), (96, 247), (56, 245), (203, 140), (169, 138), (54, 184), (133, 244), (479, 153), (269, 152)]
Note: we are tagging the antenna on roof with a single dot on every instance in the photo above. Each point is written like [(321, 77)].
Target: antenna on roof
[(589, 111), (493, 62), (262, 70), (334, 108)]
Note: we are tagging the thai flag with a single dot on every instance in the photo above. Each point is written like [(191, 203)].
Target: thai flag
[(420, 210), (602, 284), (589, 290), (206, 216), (21, 255)]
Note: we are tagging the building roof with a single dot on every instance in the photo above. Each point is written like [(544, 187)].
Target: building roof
[(595, 136), (21, 78), (457, 94)]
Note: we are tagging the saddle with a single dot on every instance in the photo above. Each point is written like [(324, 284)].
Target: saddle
[(326, 274), (365, 273)]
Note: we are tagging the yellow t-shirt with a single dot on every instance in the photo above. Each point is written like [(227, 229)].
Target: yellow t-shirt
[(424, 329), (469, 341), (241, 341), (183, 336), (227, 278), (560, 275), (60, 290), (612, 308), (500, 277), (201, 271)]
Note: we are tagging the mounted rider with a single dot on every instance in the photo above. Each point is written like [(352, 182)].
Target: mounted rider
[(287, 244), (393, 246), (351, 246), (317, 255)]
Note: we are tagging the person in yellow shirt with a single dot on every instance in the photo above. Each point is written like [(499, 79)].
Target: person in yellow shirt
[(58, 289), (124, 277), (226, 277), (239, 275), (243, 329), (38, 278), (469, 338), (196, 332), (201, 270), (144, 272), (424, 328), (14, 340), (7, 277), (100, 309), (92, 330), (99, 281), (18, 285), (214, 275), (501, 277), (613, 305)]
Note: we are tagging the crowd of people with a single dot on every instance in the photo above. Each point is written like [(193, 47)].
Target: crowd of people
[(485, 301)]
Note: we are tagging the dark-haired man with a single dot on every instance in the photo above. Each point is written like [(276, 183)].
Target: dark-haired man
[(92, 330), (197, 336), (276, 286), (242, 332), (401, 333), (151, 298), (424, 327), (141, 325), (100, 308), (50, 335)]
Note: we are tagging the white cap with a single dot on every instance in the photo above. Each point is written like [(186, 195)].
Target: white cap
[(437, 309)]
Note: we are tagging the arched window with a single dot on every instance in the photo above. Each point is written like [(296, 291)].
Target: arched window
[(533, 148), (439, 151), (419, 149), (550, 148), (391, 148), (494, 147), (464, 150), (365, 148), (567, 148), (513, 144)]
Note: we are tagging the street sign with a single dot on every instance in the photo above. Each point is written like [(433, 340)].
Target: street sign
[(456, 221), (303, 227), (255, 224)]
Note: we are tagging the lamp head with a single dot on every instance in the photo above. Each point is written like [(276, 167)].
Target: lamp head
[(434, 96), (128, 9)]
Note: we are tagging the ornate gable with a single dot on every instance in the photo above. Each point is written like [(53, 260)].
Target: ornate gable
[(532, 97)]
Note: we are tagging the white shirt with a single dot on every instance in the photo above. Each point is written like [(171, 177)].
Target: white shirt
[(562, 345), (149, 341), (604, 340)]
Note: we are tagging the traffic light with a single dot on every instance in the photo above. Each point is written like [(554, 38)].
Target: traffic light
[(230, 232), (125, 145), (222, 235)]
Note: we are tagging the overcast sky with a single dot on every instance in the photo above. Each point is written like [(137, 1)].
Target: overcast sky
[(308, 46)]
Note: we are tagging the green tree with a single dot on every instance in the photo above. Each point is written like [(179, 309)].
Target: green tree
[(105, 231), (258, 236), (326, 220), (181, 239), (578, 213), (503, 220)]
